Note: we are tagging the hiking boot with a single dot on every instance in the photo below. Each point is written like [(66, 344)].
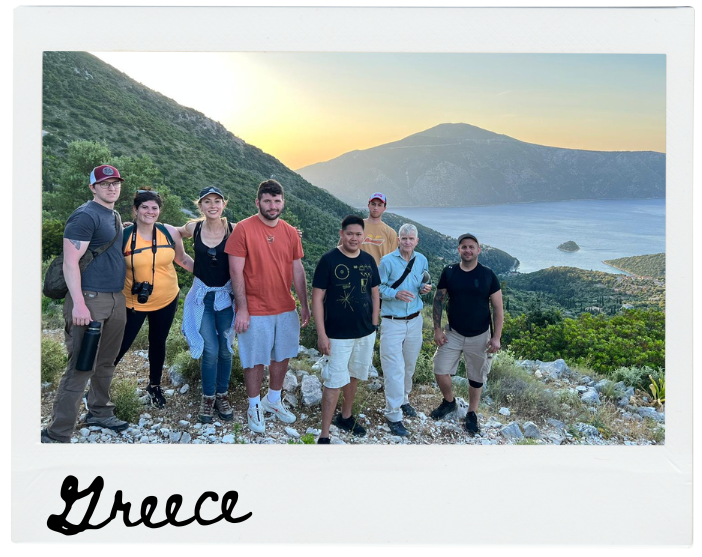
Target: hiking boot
[(45, 438), (349, 424), (257, 422), (398, 428), (157, 398), (408, 411), (278, 409), (323, 441), (472, 426), (206, 409), (223, 407), (444, 408), (111, 422)]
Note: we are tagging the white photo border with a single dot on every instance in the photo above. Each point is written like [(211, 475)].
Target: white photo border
[(400, 494)]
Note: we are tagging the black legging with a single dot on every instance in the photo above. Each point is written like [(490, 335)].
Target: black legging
[(160, 322)]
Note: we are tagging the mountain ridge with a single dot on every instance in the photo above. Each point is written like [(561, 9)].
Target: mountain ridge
[(480, 167)]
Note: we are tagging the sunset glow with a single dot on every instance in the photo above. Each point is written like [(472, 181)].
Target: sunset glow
[(304, 108)]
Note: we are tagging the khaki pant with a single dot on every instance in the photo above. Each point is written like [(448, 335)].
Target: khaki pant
[(110, 309), (478, 361)]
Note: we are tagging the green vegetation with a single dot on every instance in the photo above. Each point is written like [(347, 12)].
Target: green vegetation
[(657, 388), (575, 291), (123, 393), (511, 385), (632, 338), (53, 360), (641, 265), (638, 377)]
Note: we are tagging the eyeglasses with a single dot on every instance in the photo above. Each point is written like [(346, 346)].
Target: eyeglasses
[(212, 252), (105, 185), (148, 191)]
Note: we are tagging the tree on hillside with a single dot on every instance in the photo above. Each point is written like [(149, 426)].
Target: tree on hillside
[(71, 189)]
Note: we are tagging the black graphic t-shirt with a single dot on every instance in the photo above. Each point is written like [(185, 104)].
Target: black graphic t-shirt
[(468, 296), (348, 305)]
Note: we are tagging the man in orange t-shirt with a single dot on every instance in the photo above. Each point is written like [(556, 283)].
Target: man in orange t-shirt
[(265, 261)]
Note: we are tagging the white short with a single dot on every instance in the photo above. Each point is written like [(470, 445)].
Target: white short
[(350, 357)]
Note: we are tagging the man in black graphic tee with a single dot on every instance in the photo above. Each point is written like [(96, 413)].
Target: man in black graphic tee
[(345, 306), (471, 288)]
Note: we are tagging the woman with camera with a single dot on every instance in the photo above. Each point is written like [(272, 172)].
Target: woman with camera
[(151, 285), (208, 314)]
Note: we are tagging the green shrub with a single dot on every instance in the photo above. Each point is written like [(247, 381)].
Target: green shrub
[(127, 404), (237, 376), (637, 377), (510, 385), (188, 367), (51, 313), (175, 342), (53, 360), (424, 370)]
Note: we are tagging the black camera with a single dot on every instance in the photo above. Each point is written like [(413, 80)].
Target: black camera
[(142, 290)]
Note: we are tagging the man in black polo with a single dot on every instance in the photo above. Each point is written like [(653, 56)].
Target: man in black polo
[(470, 288), (94, 294)]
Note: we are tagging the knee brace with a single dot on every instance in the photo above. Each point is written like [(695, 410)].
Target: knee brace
[(474, 384)]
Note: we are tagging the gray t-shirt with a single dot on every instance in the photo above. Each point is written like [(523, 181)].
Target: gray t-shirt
[(95, 223)]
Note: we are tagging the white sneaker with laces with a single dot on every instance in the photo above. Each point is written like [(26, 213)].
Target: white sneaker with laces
[(257, 423), (278, 409)]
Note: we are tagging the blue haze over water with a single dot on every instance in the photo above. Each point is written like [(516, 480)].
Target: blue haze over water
[(532, 232)]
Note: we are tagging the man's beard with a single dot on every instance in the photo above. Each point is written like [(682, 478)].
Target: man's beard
[(268, 217)]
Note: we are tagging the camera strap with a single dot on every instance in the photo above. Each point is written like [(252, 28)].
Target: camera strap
[(154, 246)]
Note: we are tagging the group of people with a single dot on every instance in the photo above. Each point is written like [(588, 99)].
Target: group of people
[(371, 281)]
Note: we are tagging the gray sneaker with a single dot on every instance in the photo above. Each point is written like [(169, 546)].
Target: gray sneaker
[(111, 422)]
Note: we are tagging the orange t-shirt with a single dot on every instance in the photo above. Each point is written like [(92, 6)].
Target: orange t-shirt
[(165, 280), (268, 271)]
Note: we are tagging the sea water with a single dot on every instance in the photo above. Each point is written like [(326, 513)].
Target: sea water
[(532, 232)]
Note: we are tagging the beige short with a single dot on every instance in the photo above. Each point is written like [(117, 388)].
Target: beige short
[(478, 361)]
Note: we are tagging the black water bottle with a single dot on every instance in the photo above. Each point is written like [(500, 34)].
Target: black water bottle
[(88, 348)]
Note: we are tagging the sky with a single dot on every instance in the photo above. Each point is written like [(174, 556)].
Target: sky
[(304, 108)]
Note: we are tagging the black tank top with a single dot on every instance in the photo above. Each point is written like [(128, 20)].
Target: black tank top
[(212, 274)]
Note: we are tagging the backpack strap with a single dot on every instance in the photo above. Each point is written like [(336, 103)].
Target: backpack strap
[(126, 233), (164, 230)]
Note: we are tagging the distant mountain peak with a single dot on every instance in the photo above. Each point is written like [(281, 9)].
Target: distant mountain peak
[(459, 131)]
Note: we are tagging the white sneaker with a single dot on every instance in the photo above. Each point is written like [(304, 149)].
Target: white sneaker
[(278, 409), (257, 423)]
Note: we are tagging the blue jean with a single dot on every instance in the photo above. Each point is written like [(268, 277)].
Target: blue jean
[(216, 364)]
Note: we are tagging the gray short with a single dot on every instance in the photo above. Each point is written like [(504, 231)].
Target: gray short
[(269, 338), (478, 361)]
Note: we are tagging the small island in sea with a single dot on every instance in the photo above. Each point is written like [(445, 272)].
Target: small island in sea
[(569, 246)]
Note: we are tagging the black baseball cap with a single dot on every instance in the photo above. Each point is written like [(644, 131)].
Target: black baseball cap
[(208, 190), (465, 236)]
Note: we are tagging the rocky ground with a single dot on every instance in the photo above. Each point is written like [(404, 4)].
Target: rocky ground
[(632, 420)]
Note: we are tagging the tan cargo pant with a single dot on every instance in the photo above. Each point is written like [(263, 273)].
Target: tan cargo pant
[(110, 309)]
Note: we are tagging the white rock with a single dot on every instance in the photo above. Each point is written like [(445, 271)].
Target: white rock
[(229, 439), (183, 423), (169, 392), (504, 411), (313, 431), (292, 432), (184, 389)]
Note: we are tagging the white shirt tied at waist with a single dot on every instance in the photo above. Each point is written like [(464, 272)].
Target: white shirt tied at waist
[(194, 308)]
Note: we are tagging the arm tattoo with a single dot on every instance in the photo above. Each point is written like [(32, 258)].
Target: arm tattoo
[(76, 243), (439, 298)]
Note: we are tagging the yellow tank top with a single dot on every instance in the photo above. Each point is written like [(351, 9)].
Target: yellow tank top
[(165, 280)]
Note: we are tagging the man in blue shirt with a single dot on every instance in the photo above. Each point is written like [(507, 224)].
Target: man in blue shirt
[(402, 280)]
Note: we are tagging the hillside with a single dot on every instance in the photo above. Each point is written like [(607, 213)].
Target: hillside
[(575, 291), (463, 165), (86, 99), (641, 265)]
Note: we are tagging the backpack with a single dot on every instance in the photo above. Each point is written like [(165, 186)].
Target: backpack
[(55, 283)]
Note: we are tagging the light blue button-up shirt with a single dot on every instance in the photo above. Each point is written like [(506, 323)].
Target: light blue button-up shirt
[(391, 268)]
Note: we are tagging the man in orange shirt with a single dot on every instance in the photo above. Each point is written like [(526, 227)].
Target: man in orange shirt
[(265, 261)]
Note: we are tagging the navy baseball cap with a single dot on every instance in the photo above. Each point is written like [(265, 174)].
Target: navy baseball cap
[(208, 190)]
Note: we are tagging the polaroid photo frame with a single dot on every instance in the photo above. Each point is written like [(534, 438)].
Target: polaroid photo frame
[(403, 484)]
